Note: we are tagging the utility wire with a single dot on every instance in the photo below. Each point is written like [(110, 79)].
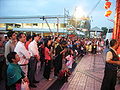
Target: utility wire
[(94, 7)]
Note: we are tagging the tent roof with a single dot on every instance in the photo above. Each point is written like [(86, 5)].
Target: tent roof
[(96, 29)]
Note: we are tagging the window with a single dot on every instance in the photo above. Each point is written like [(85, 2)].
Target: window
[(9, 26), (110, 31), (17, 25), (27, 25), (35, 24), (2, 25)]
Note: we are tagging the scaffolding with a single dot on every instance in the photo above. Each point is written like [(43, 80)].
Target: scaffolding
[(36, 19)]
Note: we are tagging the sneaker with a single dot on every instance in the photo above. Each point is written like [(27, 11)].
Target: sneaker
[(49, 79)]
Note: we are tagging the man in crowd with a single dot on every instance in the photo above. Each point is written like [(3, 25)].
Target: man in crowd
[(10, 45), (33, 48), (118, 51), (23, 53), (112, 62)]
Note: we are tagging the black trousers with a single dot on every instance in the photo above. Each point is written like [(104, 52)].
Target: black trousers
[(56, 71), (47, 69), (42, 61), (57, 66), (109, 80), (32, 69)]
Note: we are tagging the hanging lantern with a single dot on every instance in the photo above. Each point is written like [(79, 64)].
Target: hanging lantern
[(106, 0), (108, 13), (107, 5)]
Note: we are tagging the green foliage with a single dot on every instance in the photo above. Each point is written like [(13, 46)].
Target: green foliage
[(105, 29)]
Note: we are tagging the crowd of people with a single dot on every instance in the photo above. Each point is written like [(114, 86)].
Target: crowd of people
[(22, 53)]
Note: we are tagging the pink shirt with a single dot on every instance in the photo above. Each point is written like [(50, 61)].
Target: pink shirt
[(69, 57), (47, 54)]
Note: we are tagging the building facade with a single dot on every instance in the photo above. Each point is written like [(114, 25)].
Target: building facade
[(33, 25)]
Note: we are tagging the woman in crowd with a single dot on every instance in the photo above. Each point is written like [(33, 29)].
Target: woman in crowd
[(29, 40), (48, 59), (59, 51)]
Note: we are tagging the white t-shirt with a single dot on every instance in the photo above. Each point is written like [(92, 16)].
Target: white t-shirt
[(109, 55)]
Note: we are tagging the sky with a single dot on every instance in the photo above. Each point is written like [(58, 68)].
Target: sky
[(13, 8)]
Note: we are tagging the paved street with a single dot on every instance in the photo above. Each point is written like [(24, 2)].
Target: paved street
[(88, 74)]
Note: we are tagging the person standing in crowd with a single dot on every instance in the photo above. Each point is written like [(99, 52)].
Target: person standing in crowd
[(107, 43), (29, 39), (10, 45), (3, 73), (59, 50), (41, 49), (14, 72), (57, 40), (118, 50), (1, 42), (23, 53), (112, 62), (69, 59), (33, 49), (5, 40), (102, 44), (48, 59), (94, 48), (89, 49)]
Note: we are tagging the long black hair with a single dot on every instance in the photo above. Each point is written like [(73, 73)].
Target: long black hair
[(46, 43), (11, 56)]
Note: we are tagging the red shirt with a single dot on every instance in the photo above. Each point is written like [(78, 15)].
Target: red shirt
[(47, 54), (26, 44), (118, 50)]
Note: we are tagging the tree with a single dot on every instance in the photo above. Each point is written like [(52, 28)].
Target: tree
[(105, 29)]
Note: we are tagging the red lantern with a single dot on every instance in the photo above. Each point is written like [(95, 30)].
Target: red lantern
[(107, 5), (106, 0), (108, 13)]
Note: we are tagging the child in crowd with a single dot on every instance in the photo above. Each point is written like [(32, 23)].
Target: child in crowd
[(69, 59), (89, 49), (14, 72)]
